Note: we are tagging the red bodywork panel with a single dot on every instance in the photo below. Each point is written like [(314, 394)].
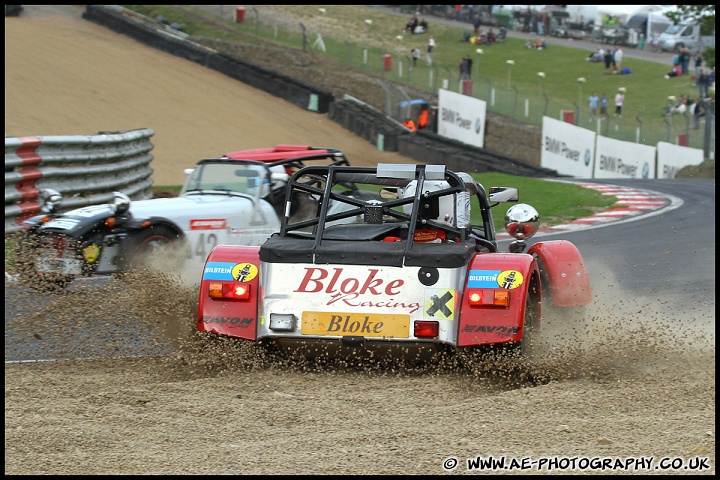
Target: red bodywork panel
[(565, 269), (236, 318), (492, 324), (276, 153)]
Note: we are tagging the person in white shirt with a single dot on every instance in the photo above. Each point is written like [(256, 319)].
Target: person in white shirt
[(619, 99), (430, 47), (617, 58)]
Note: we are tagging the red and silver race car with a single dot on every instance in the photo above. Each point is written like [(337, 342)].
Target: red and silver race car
[(411, 264), (237, 198)]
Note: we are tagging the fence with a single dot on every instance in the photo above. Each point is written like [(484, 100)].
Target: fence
[(85, 169)]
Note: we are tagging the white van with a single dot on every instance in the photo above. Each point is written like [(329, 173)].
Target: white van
[(680, 35)]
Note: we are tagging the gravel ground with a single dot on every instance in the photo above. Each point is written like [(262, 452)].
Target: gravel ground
[(634, 385)]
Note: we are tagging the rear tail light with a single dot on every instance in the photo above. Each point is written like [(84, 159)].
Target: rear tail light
[(426, 329), (488, 298), (229, 291)]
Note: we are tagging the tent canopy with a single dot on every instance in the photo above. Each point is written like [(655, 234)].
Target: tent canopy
[(623, 12)]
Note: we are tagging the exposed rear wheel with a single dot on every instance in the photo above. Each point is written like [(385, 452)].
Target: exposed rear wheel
[(34, 248)]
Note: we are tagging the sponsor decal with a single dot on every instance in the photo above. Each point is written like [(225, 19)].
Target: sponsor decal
[(360, 324), (62, 223), (345, 289), (491, 329), (241, 272), (244, 272), (219, 271), (208, 224), (91, 253), (428, 235), (231, 321), (483, 278), (440, 303), (507, 279), (510, 279), (558, 147)]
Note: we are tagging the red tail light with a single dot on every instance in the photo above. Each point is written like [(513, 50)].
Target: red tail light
[(426, 329), (488, 298), (229, 291)]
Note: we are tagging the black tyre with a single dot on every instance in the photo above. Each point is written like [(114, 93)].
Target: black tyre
[(155, 243), (531, 320), (531, 324)]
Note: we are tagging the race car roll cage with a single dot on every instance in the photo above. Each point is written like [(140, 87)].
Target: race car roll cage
[(290, 158), (366, 242)]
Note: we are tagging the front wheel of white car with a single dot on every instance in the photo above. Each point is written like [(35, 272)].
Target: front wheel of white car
[(155, 246)]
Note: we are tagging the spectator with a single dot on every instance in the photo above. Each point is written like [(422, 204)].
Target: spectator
[(411, 24), (430, 47), (703, 82), (619, 100), (678, 108), (617, 58), (593, 105), (423, 118), (697, 58), (596, 56), (422, 26), (675, 71), (697, 111), (476, 24), (669, 106), (603, 105), (463, 68), (415, 53), (502, 34), (541, 23), (491, 37), (685, 61), (608, 61)]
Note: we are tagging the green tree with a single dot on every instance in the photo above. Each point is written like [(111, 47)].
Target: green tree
[(705, 14)]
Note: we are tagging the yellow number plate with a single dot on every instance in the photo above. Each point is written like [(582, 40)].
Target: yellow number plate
[(355, 324)]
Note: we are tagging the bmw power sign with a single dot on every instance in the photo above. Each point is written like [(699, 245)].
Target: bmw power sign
[(461, 118)]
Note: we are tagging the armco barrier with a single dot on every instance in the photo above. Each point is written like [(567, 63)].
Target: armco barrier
[(85, 169)]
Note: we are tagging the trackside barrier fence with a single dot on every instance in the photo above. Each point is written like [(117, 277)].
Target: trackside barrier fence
[(85, 169)]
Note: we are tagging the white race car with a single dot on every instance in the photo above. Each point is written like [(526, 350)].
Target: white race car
[(235, 199)]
